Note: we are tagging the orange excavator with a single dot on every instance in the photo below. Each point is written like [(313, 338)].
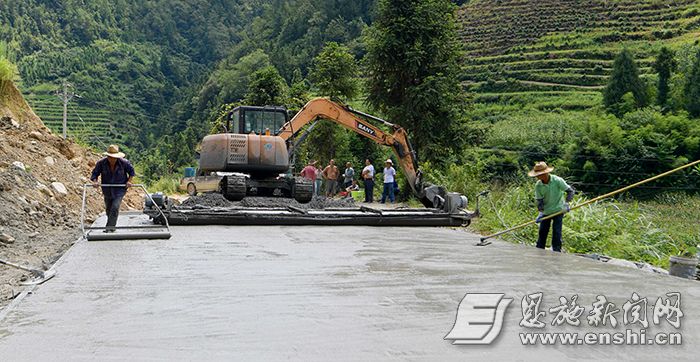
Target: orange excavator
[(255, 150)]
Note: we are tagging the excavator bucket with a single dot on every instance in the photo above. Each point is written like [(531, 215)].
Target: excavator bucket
[(136, 226)]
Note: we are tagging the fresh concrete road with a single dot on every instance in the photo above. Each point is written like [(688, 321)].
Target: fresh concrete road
[(317, 293)]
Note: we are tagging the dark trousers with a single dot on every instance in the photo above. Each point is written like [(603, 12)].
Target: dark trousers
[(369, 190), (388, 191), (112, 209), (556, 233)]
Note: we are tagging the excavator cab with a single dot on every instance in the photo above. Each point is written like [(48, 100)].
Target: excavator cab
[(257, 120)]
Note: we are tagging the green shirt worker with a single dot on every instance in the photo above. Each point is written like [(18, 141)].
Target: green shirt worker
[(550, 191)]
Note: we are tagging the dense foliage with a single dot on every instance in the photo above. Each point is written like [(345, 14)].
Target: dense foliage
[(623, 80), (412, 65), (692, 88), (665, 65)]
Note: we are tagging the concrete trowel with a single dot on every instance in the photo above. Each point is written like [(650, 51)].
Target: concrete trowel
[(39, 275)]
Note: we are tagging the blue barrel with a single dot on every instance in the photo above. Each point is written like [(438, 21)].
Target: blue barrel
[(189, 171)]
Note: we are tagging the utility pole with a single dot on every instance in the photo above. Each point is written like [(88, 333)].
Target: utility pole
[(65, 95)]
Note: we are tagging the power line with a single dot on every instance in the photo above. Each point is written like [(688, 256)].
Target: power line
[(588, 171), (113, 108), (497, 149), (90, 131), (638, 187), (65, 95)]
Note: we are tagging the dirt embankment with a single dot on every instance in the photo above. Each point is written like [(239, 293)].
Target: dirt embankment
[(41, 178)]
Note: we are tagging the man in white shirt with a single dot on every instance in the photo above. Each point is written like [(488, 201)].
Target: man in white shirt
[(368, 178), (389, 176)]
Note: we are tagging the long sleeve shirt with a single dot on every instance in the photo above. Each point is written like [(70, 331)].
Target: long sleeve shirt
[(123, 171)]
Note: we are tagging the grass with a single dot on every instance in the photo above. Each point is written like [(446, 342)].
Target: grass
[(638, 231), (166, 184), (7, 70)]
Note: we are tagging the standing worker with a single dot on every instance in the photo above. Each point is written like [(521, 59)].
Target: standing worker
[(309, 173), (368, 178), (349, 175), (549, 193), (116, 170), (330, 174), (389, 177), (319, 179)]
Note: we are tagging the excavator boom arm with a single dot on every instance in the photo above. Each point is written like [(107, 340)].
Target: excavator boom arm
[(398, 141)]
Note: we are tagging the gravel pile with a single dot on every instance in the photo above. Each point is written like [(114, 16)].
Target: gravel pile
[(207, 200), (217, 200)]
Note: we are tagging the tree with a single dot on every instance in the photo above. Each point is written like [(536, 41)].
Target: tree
[(624, 78), (266, 88), (692, 89), (665, 65), (334, 72), (413, 72), (334, 75)]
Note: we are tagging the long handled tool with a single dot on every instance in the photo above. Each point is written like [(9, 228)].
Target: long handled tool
[(40, 276), (90, 236), (484, 239)]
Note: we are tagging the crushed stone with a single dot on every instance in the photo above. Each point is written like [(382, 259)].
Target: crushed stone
[(210, 200)]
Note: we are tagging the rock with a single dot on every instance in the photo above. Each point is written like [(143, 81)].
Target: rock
[(6, 238), (49, 160), (34, 143), (622, 262), (64, 148), (36, 135), (59, 189), (14, 123), (77, 162), (19, 165), (33, 235), (651, 268), (44, 189)]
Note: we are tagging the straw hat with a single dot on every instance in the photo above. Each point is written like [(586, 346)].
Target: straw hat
[(113, 151), (388, 160), (540, 168)]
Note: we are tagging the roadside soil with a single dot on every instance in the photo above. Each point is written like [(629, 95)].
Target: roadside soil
[(41, 178)]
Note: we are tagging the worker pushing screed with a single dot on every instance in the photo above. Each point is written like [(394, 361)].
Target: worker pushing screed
[(114, 169), (549, 193)]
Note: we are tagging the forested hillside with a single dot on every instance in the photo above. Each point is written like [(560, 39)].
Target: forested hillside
[(143, 70)]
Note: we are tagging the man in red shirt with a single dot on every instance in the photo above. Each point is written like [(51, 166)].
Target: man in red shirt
[(309, 173)]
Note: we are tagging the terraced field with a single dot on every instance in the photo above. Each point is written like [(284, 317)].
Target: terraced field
[(86, 124), (546, 47)]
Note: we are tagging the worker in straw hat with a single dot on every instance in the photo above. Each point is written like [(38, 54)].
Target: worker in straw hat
[(114, 169), (549, 193)]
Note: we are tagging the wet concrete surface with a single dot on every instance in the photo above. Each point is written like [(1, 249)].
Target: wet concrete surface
[(315, 293)]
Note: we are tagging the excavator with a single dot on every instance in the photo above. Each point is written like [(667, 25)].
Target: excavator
[(255, 150)]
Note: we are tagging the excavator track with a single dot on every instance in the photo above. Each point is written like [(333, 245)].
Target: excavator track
[(234, 187), (303, 191)]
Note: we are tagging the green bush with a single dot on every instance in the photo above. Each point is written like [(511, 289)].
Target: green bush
[(166, 184), (8, 71)]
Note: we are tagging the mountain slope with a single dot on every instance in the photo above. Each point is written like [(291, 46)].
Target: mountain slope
[(539, 46)]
